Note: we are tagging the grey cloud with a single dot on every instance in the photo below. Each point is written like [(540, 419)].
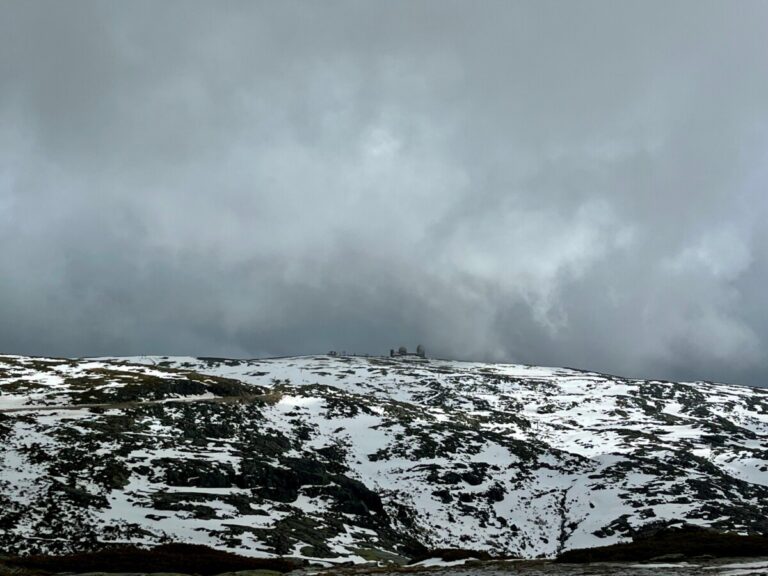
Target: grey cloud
[(560, 183)]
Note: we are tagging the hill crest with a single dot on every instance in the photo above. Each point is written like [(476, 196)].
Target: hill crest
[(349, 458)]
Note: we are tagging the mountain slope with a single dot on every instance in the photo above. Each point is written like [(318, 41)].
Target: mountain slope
[(353, 458)]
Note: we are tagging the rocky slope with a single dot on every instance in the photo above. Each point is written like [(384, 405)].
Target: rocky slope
[(356, 458)]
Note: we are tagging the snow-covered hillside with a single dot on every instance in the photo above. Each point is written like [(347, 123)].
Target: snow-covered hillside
[(356, 458)]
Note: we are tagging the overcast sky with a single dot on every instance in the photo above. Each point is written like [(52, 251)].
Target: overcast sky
[(558, 183)]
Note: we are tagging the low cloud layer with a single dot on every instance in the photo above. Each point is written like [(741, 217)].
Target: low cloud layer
[(554, 183)]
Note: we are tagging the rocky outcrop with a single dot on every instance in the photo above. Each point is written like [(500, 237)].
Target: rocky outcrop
[(343, 459)]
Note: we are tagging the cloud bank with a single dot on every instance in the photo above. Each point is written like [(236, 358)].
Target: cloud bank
[(554, 183)]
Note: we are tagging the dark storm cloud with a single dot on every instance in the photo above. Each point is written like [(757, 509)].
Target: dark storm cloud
[(545, 182)]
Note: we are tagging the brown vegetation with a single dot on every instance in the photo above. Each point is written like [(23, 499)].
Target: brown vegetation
[(179, 558), (680, 543)]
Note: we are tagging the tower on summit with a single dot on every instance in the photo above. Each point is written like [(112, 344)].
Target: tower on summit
[(403, 351)]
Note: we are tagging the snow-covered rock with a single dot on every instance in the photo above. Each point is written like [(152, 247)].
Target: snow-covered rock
[(360, 458)]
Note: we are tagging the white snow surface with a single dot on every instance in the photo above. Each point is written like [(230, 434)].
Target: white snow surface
[(506, 458)]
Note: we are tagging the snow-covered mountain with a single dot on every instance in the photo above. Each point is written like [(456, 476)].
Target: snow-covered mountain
[(357, 458)]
